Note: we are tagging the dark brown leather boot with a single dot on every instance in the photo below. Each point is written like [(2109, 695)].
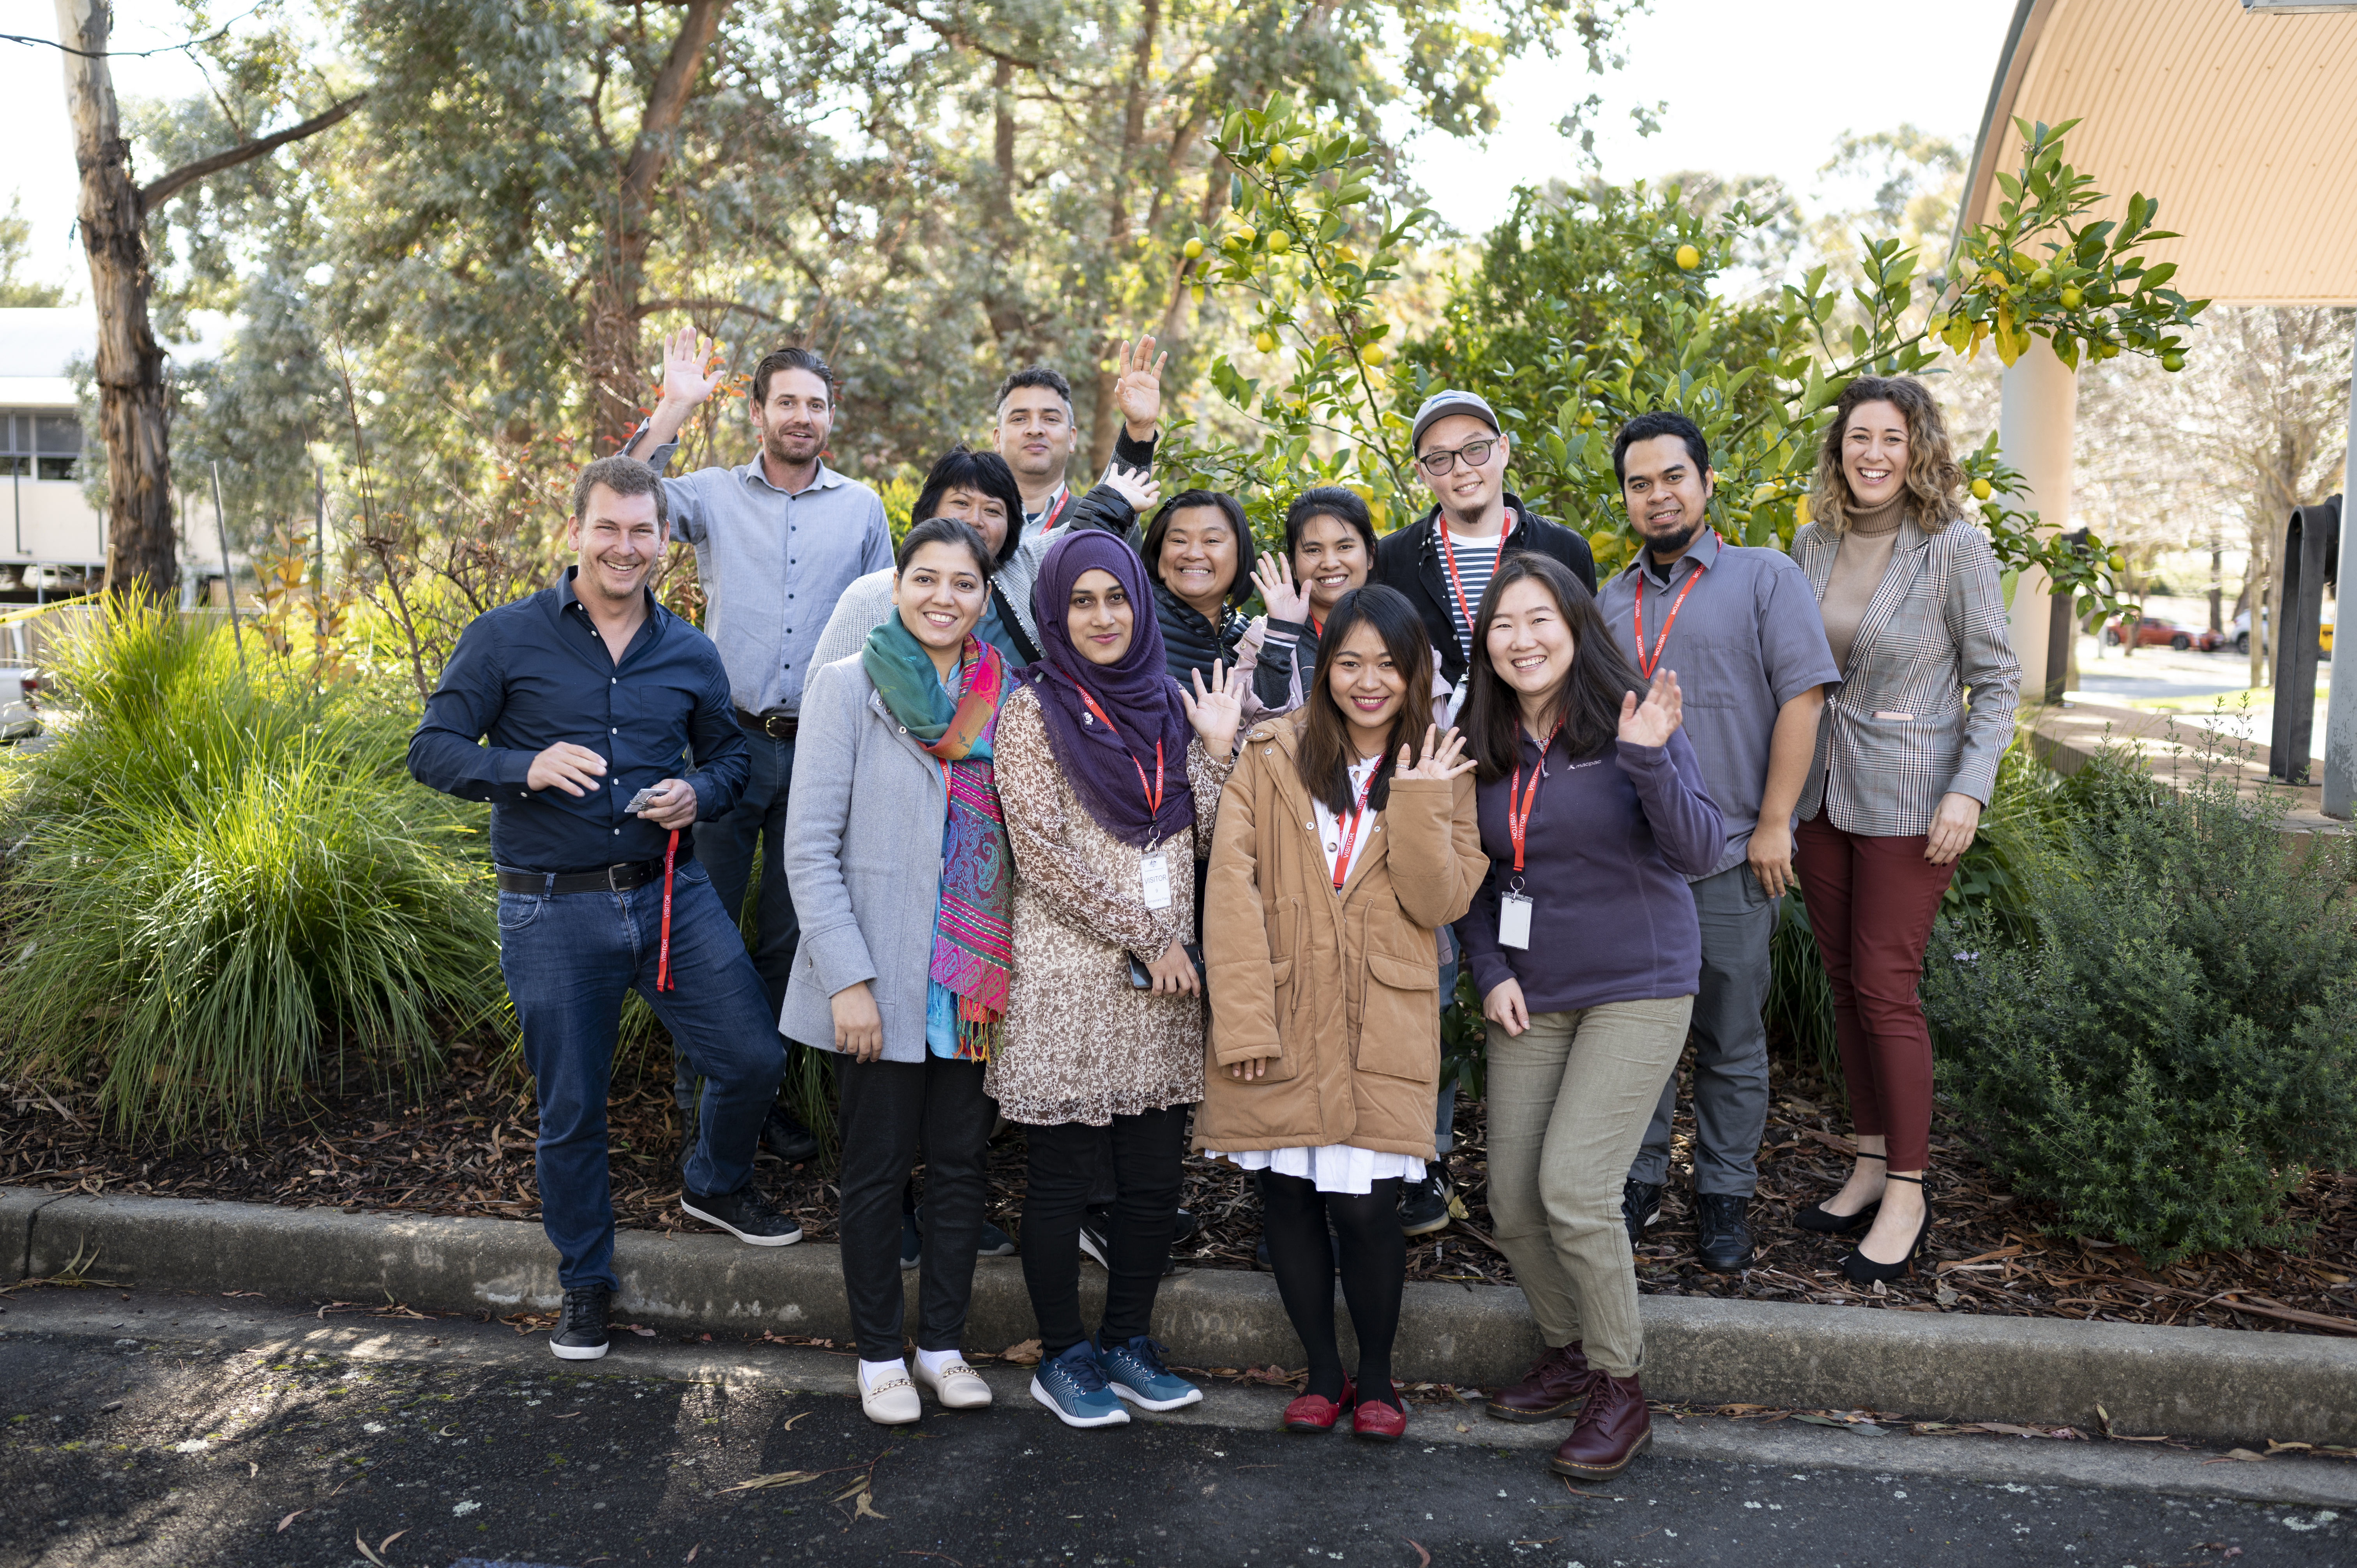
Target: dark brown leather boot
[(1551, 1391), (1613, 1428)]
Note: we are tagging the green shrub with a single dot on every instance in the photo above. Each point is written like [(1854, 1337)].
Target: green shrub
[(225, 876), (2172, 1043)]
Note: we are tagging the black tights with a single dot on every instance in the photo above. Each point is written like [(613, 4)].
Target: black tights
[(1374, 1270)]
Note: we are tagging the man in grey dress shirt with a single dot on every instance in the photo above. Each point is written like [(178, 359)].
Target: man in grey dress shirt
[(777, 540), (1740, 627)]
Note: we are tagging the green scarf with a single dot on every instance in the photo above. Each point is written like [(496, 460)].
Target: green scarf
[(955, 728)]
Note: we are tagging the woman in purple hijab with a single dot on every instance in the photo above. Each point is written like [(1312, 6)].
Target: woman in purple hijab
[(1109, 775)]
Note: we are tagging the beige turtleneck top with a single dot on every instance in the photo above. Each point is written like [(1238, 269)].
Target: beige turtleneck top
[(1863, 556)]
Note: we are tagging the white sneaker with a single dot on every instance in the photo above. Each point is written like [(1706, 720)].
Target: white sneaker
[(959, 1386), (892, 1402)]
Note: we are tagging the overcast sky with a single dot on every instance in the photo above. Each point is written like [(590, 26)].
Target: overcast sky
[(1753, 87)]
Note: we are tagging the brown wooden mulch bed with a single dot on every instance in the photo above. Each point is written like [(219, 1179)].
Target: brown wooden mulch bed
[(466, 1148)]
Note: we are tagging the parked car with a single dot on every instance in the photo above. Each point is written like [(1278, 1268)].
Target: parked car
[(2154, 631), (2239, 631), (20, 686)]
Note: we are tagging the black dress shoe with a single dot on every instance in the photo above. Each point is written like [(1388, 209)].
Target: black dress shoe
[(1864, 1271), (744, 1214), (580, 1334), (787, 1138), (1641, 1204), (1722, 1231)]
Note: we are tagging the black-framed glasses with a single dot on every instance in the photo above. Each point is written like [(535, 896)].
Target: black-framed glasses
[(1475, 453)]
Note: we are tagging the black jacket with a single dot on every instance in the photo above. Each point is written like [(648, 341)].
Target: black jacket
[(1409, 559)]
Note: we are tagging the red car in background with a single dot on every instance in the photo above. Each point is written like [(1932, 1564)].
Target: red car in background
[(2153, 631)]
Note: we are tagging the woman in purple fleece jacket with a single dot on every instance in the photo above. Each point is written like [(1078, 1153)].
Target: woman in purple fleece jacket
[(1586, 953)]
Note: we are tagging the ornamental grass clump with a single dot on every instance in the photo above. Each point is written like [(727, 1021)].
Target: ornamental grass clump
[(225, 886), (2171, 1046)]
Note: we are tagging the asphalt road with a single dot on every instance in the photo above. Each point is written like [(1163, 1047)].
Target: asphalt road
[(189, 1438)]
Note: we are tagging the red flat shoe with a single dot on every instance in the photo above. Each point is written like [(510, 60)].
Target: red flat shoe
[(1316, 1413), (1378, 1422)]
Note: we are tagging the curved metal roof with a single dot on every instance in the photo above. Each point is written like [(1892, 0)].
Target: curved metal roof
[(2242, 123)]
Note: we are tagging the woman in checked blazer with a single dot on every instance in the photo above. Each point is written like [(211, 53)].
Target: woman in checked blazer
[(1906, 754)]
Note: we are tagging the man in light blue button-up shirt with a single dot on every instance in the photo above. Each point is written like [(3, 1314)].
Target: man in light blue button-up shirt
[(777, 540)]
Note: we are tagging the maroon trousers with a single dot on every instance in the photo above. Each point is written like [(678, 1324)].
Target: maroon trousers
[(1870, 902)]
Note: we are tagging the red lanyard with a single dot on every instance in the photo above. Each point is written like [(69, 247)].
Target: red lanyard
[(1448, 554), (1643, 668), (1350, 837), (1517, 824), (1057, 511), (663, 982), (1153, 791)]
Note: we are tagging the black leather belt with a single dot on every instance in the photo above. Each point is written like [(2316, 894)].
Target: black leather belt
[(777, 727), (613, 879)]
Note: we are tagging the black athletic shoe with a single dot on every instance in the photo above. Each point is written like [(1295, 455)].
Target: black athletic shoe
[(1722, 1231), (744, 1214), (992, 1242), (1424, 1206), (787, 1138), (1188, 1223), (912, 1242), (580, 1334), (1096, 1236), (1641, 1204)]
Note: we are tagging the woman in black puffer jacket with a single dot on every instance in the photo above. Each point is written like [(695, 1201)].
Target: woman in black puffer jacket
[(1198, 554)]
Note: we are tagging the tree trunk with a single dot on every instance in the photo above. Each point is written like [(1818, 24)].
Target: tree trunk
[(134, 416), (1105, 422), (616, 377)]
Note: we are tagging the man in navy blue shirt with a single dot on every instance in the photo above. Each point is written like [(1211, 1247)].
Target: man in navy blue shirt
[(591, 694)]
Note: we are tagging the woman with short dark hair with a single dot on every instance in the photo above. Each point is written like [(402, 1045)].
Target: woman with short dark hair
[(1587, 952), (1346, 840), (1907, 755), (905, 960), (1198, 552)]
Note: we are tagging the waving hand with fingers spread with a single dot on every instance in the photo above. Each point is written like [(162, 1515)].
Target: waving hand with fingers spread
[(1138, 387)]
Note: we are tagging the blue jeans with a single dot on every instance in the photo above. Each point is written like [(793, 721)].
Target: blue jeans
[(568, 958)]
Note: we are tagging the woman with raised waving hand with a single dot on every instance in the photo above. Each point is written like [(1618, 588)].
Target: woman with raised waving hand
[(1587, 952), (1346, 840), (1110, 773)]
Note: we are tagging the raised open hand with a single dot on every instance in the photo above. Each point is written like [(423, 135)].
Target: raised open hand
[(1137, 386), (1444, 757), (1654, 721), (1136, 486), (1273, 574), (1217, 711), (690, 366)]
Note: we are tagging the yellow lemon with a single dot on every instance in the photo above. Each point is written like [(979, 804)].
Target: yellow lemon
[(2117, 560), (1689, 258), (2172, 361), (1246, 234), (2041, 277), (1587, 418), (1982, 489), (1279, 242), (1192, 248), (1373, 354), (1279, 155), (2072, 298), (1265, 341)]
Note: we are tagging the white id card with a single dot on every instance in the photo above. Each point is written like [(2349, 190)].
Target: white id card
[(1513, 921), (1155, 870)]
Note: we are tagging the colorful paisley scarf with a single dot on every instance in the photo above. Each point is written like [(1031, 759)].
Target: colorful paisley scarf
[(973, 946)]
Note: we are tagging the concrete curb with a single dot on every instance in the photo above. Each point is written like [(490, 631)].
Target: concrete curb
[(2208, 1383)]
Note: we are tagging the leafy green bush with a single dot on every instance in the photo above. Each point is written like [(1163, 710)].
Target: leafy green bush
[(223, 876), (2171, 1044)]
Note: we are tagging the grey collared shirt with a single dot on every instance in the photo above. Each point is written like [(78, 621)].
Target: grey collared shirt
[(772, 565), (1748, 639)]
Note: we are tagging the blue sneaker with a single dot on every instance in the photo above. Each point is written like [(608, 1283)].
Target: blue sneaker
[(992, 1243), (1134, 1369), (1074, 1385)]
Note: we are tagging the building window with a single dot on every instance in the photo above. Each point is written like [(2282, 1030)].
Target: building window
[(36, 446)]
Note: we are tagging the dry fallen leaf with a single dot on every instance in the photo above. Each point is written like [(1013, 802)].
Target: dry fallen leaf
[(780, 1479), (1423, 1558), (1026, 1354), (290, 1518)]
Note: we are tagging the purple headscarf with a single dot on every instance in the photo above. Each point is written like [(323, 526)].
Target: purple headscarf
[(1136, 692)]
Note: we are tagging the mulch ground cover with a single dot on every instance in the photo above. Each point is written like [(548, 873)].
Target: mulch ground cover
[(467, 1148)]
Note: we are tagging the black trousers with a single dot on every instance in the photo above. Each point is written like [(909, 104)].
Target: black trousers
[(1064, 1165), (889, 1111)]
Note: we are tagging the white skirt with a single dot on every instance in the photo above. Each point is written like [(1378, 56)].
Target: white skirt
[(1334, 1167)]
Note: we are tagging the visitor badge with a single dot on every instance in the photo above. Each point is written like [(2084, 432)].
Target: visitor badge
[(1513, 921), (1155, 870)]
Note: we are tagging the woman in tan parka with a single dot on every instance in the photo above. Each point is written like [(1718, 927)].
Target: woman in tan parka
[(1342, 847)]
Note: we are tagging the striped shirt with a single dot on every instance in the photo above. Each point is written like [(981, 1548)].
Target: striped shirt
[(1477, 562)]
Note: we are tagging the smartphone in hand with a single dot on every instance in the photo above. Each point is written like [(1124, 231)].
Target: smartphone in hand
[(639, 801)]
